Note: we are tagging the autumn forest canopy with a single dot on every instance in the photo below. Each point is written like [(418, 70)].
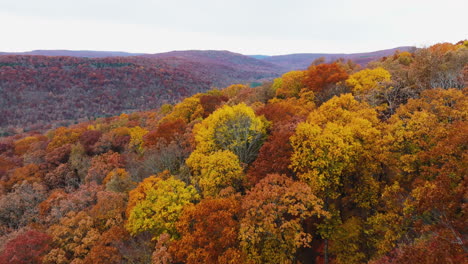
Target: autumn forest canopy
[(337, 163)]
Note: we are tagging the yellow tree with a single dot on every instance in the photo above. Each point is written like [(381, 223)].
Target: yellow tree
[(371, 85), (365, 81), (274, 211), (290, 84), (136, 138), (216, 171), (156, 204), (234, 128), (188, 110), (336, 151)]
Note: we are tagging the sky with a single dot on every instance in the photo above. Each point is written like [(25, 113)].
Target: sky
[(269, 27)]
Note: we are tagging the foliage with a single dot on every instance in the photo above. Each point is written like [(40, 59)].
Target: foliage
[(118, 180), (235, 128), (27, 248), (290, 84), (156, 204), (378, 177), (320, 77), (274, 209), (338, 138), (368, 79), (208, 231), (215, 171)]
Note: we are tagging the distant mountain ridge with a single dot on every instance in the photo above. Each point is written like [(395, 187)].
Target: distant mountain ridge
[(300, 61), (279, 63), (75, 53), (60, 86), (224, 57)]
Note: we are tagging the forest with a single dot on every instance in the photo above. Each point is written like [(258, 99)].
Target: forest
[(44, 92), (338, 163)]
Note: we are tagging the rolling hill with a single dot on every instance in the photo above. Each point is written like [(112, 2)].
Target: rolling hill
[(38, 90), (61, 86), (74, 53), (302, 60)]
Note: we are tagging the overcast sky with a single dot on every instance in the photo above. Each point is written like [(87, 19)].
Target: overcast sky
[(245, 26)]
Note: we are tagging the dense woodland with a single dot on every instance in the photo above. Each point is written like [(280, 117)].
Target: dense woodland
[(334, 164), (40, 91)]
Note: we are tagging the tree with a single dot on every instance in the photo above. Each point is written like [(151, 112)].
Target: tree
[(337, 152), (58, 155), (208, 229), (118, 180), (320, 77), (61, 177), (27, 248), (89, 138), (284, 111), (59, 203), (31, 173), (211, 102), (235, 128), (63, 136), (101, 166), (216, 171), (109, 210), (156, 204), (19, 207), (337, 138), (232, 90), (290, 84), (188, 110), (161, 253), (275, 155), (72, 238), (271, 230), (166, 131), (136, 138), (368, 80)]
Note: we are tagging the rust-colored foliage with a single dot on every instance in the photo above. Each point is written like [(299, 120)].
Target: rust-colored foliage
[(166, 131), (208, 230), (435, 249), (60, 177), (30, 173), (59, 203), (89, 138), (440, 49), (211, 102), (320, 77), (5, 165), (102, 165), (284, 110), (161, 253), (63, 136), (23, 145), (109, 247), (58, 155), (274, 155), (73, 238), (109, 210), (27, 248)]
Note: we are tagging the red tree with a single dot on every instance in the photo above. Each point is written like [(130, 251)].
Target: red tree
[(27, 248)]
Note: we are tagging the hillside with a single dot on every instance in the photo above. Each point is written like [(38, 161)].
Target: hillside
[(292, 62), (340, 163), (38, 90), (74, 53)]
